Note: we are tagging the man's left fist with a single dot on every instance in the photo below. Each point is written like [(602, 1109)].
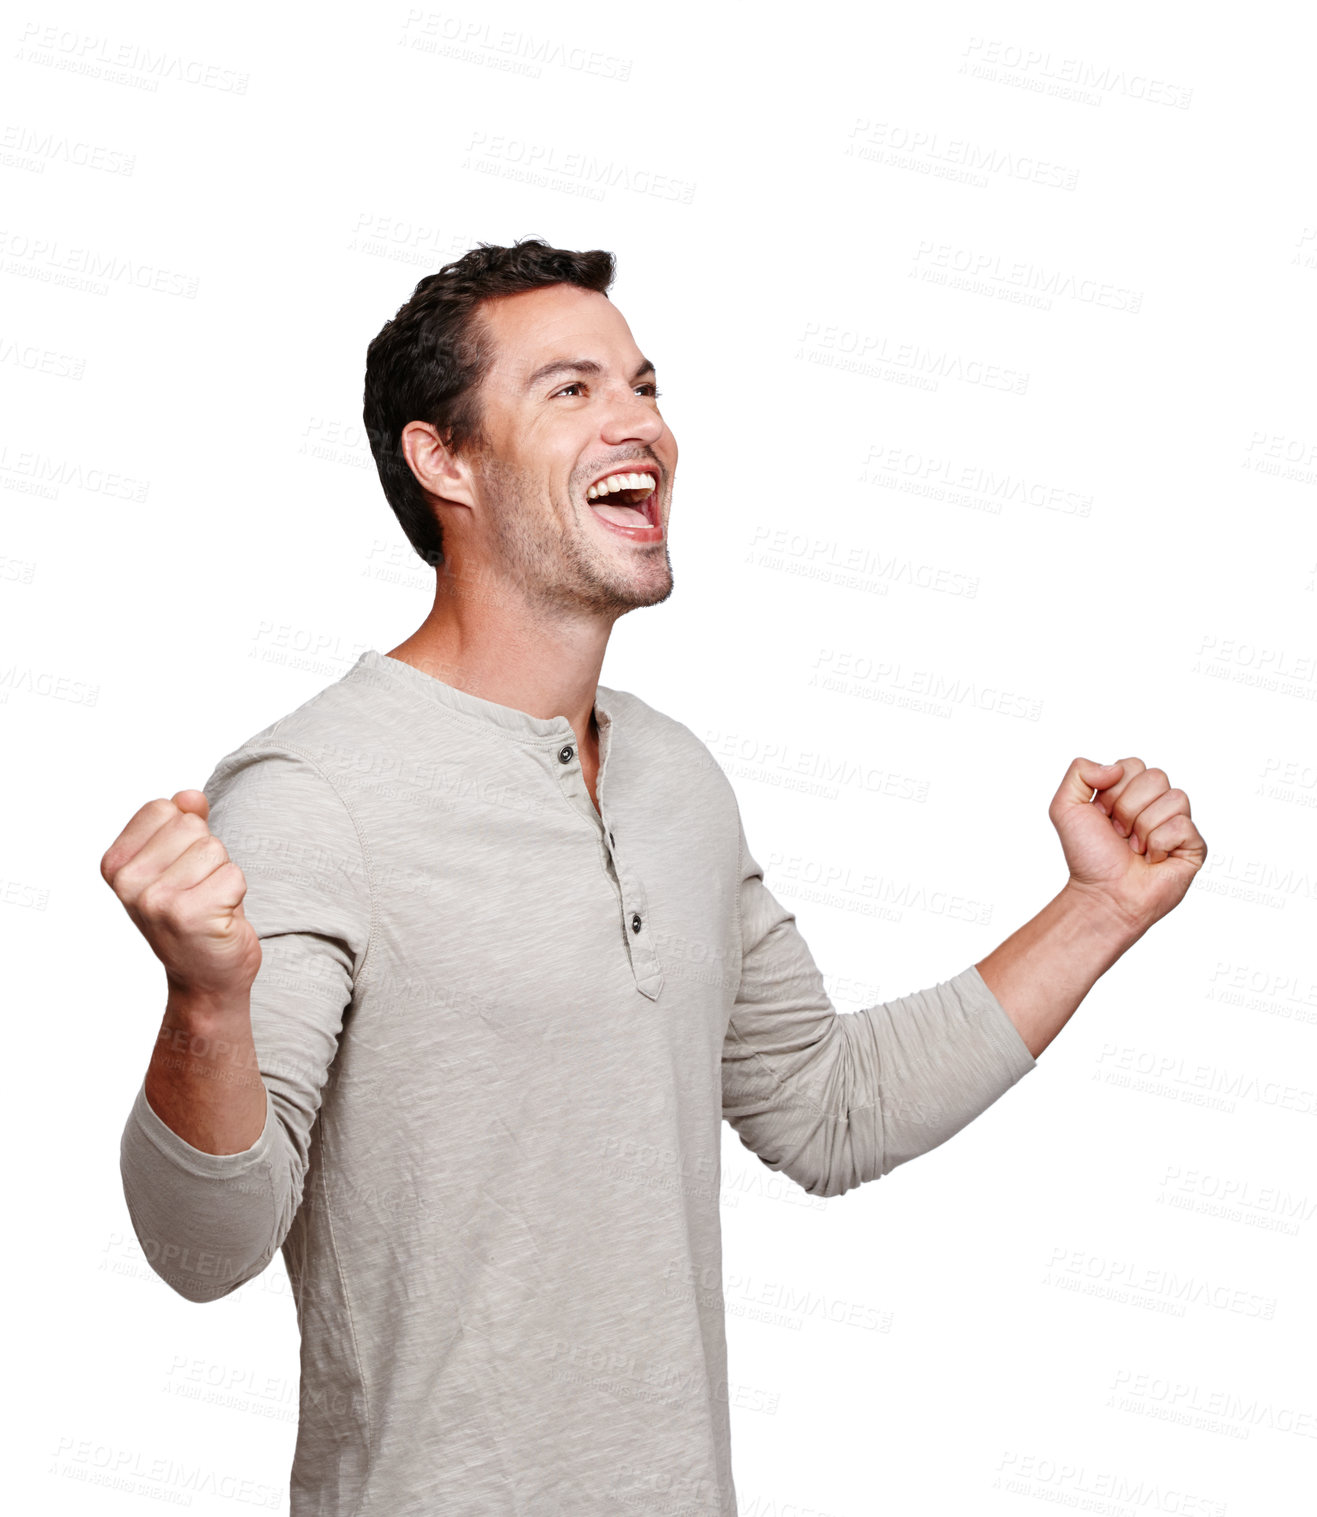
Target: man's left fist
[(1133, 845)]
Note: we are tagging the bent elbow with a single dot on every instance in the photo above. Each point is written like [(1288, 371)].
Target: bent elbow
[(824, 1155), (206, 1224), (832, 1175), (194, 1271), (201, 1276)]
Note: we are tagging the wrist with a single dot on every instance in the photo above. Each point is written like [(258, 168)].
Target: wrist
[(200, 1011), (1102, 914)]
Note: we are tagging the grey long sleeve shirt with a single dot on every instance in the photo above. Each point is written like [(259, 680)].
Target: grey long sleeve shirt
[(498, 1031)]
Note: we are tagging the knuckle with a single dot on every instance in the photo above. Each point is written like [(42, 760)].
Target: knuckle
[(159, 813), (153, 900)]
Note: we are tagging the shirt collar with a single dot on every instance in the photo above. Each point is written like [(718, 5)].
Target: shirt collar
[(520, 726)]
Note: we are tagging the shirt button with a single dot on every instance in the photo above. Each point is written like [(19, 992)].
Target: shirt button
[(635, 922), (565, 754)]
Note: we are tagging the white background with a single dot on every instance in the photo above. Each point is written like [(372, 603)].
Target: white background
[(986, 334)]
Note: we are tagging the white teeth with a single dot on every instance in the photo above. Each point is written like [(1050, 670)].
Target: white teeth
[(616, 482)]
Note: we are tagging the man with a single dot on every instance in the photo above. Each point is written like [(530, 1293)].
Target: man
[(468, 956)]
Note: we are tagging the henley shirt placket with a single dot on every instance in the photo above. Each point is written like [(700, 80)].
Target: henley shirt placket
[(632, 901)]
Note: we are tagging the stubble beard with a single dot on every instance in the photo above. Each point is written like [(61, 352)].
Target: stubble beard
[(552, 568)]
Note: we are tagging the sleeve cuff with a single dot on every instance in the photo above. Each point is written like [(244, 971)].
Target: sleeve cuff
[(998, 1028), (196, 1160)]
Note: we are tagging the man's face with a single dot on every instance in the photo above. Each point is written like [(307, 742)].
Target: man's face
[(568, 401)]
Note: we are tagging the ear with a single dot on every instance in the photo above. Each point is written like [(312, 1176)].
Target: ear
[(440, 472)]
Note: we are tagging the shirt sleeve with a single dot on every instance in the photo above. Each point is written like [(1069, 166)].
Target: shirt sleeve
[(834, 1099), (209, 1222)]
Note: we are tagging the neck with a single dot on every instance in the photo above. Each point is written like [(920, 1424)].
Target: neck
[(491, 643)]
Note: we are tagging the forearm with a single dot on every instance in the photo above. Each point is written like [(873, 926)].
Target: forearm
[(1041, 973), (203, 1080)]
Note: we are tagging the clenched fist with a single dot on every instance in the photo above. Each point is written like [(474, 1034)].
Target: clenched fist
[(1133, 843), (178, 884)]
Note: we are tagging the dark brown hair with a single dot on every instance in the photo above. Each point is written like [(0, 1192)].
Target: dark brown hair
[(427, 363)]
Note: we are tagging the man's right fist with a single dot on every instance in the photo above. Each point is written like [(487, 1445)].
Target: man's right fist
[(178, 884)]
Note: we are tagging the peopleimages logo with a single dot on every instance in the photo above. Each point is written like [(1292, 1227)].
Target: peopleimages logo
[(859, 352), (50, 261), (483, 42), (1067, 76), (956, 157), (992, 274), (98, 56)]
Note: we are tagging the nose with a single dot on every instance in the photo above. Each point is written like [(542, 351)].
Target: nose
[(630, 418)]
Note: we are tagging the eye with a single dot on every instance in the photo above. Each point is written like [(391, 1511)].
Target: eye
[(579, 386)]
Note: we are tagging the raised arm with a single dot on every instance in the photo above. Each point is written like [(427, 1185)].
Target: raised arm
[(834, 1099), (215, 1148)]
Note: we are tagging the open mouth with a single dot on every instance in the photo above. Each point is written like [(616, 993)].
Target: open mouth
[(626, 498)]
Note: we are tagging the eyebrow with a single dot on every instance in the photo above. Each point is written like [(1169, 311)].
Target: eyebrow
[(581, 366)]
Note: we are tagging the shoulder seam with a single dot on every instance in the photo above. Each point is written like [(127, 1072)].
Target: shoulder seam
[(271, 741)]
